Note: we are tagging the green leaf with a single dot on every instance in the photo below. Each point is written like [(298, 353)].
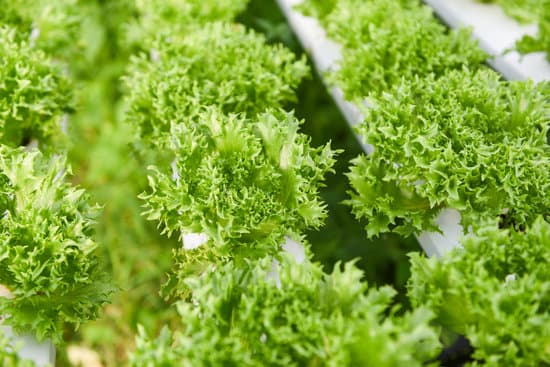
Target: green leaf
[(35, 95), (482, 290), (242, 317), (47, 258), (466, 140)]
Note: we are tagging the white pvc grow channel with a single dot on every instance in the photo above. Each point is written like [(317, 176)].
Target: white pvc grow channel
[(42, 354), (497, 34)]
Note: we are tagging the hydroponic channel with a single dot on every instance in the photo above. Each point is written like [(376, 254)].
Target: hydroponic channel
[(497, 34)]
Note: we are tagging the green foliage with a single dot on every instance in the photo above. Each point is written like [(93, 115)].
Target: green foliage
[(52, 26), (207, 95), (466, 141), (446, 132), (496, 291), (540, 42), (342, 237), (385, 41), (69, 31), (289, 314), (221, 64), (132, 252), (245, 183), (522, 10), (34, 93), (175, 17), (46, 250), (318, 9), (530, 11)]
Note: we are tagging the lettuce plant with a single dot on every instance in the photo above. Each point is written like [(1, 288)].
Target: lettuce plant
[(243, 183), (176, 17), (385, 41), (496, 291), (47, 259), (66, 30), (300, 317), (35, 94), (466, 140), (237, 72), (52, 26)]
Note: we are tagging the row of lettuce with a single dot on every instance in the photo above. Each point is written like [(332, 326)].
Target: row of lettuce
[(449, 132), (50, 273), (204, 99), (446, 130), (236, 173)]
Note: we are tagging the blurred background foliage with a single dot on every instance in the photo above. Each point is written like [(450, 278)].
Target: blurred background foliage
[(134, 253)]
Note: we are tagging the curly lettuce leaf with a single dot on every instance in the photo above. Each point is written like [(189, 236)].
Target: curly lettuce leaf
[(47, 254), (244, 183), (495, 291), (466, 140), (221, 65), (35, 94), (246, 317)]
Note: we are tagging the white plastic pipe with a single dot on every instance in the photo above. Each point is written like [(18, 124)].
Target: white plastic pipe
[(325, 55), (497, 34), (42, 354)]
